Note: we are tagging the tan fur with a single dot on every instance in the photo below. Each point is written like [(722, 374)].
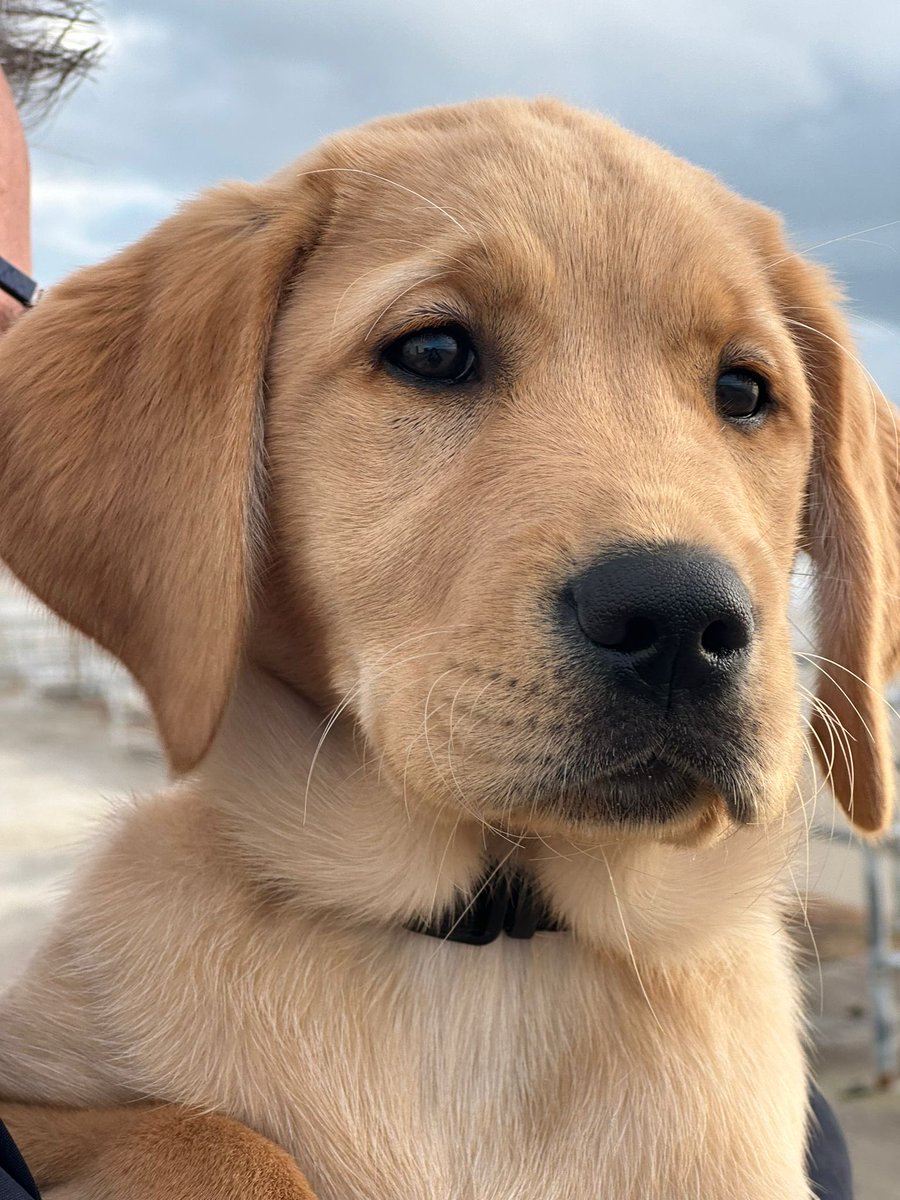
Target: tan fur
[(155, 1151), (236, 944)]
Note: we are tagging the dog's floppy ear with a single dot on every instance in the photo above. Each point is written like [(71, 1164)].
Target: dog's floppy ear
[(130, 429), (852, 532)]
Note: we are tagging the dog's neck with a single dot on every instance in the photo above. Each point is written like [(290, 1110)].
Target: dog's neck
[(314, 821)]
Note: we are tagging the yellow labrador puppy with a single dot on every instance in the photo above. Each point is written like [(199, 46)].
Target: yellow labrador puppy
[(442, 492)]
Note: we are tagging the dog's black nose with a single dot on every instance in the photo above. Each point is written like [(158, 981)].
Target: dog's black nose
[(666, 619)]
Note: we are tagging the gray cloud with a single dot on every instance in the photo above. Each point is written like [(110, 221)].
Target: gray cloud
[(796, 106)]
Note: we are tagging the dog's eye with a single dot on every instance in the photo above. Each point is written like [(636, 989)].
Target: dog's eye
[(440, 355), (741, 394)]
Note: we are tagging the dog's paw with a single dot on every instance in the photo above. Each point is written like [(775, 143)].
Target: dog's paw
[(151, 1152)]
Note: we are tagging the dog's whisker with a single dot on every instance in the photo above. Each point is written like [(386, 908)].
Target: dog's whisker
[(804, 909), (342, 298), (627, 936), (875, 392), (823, 777), (847, 737), (840, 739), (404, 781), (801, 900), (486, 825), (440, 867), (339, 710), (846, 696), (844, 237), (354, 692), (401, 187), (492, 875), (841, 667), (816, 705), (450, 750)]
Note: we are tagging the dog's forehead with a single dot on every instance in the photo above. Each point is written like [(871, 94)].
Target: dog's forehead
[(537, 205)]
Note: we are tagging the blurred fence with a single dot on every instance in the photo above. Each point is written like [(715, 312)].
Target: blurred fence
[(42, 657)]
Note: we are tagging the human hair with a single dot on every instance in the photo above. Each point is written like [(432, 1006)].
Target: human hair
[(46, 48)]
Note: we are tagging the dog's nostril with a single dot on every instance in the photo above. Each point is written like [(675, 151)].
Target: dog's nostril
[(726, 636), (669, 618), (628, 635)]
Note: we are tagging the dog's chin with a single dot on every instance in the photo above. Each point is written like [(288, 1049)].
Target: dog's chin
[(657, 798), (654, 793)]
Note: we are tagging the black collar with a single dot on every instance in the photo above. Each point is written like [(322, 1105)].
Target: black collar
[(17, 284), (502, 903)]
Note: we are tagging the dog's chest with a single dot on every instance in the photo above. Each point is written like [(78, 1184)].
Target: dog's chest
[(519, 1071), (466, 1072)]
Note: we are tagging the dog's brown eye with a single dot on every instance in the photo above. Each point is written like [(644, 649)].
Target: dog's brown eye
[(441, 355), (740, 394)]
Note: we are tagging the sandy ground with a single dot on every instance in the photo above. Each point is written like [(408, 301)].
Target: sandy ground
[(59, 776), (60, 773)]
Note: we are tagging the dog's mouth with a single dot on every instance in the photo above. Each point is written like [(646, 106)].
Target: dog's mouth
[(670, 785), (661, 789), (658, 788)]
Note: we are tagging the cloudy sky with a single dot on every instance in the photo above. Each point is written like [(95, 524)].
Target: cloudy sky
[(794, 104)]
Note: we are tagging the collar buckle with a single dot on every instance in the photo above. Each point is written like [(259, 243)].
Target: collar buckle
[(501, 903)]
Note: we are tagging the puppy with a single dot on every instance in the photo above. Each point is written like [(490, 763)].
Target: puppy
[(443, 492)]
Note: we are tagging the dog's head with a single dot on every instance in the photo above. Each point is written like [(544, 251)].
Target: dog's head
[(501, 429)]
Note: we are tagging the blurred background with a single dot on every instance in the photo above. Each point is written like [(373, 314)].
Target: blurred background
[(795, 106)]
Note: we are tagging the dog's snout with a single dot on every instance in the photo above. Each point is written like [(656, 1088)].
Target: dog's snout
[(665, 619)]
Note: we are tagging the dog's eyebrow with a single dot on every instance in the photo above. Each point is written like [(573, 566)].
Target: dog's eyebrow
[(749, 353), (371, 295)]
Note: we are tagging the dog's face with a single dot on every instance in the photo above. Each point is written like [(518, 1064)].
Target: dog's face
[(543, 436), (540, 457)]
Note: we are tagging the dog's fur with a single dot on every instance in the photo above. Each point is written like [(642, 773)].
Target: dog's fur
[(203, 466)]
